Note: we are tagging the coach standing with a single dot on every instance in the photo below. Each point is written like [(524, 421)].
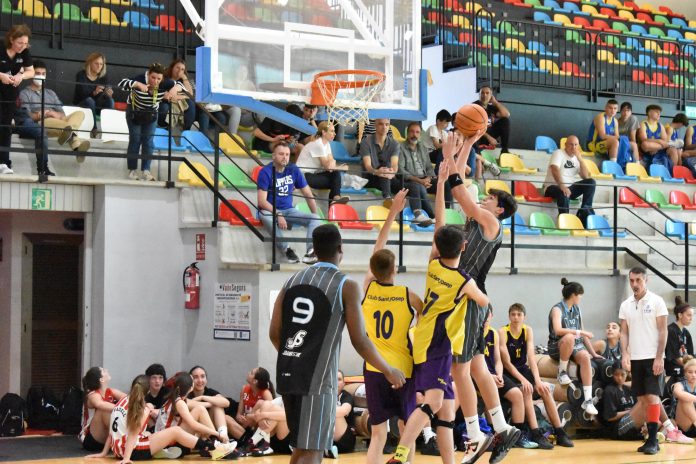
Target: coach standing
[(643, 319)]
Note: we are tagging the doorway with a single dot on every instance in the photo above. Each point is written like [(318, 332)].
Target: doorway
[(51, 307)]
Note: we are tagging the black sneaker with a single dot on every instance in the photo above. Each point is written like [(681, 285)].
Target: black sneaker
[(649, 447), (291, 256), (562, 439), (430, 448), (263, 448), (503, 442), (541, 440)]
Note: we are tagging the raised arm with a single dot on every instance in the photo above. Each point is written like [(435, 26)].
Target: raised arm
[(358, 337), (440, 211)]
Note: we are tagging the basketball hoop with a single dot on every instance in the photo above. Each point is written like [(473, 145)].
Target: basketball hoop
[(346, 94)]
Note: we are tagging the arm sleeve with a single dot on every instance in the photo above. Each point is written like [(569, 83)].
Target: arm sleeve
[(610, 409), (83, 89), (661, 308), (433, 132), (264, 180), (300, 181), (673, 345), (28, 60), (556, 158)]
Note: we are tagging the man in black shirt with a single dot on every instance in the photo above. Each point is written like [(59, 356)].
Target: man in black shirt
[(498, 119), (269, 132)]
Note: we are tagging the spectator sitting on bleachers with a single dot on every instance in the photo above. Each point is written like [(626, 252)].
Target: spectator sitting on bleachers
[(344, 427), (628, 127), (309, 113), (415, 166), (146, 93), (288, 178), (239, 79), (654, 144), (183, 110), (270, 131), (56, 122), (92, 89), (498, 120), (603, 137), (319, 166), (676, 132), (685, 395), (688, 155), (27, 128), (364, 130), (679, 342), (565, 164), (436, 134), (380, 158), (15, 66)]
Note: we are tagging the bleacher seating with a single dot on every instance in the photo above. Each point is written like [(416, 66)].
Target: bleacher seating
[(572, 223), (600, 224), (226, 214)]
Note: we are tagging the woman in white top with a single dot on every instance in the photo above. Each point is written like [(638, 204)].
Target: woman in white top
[(319, 166)]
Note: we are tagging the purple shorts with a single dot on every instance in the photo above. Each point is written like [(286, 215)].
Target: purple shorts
[(435, 374), (385, 402)]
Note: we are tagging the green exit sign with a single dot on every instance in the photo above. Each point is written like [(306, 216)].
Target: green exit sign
[(41, 199), (691, 111)]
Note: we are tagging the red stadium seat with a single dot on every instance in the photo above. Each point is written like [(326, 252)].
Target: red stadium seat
[(169, 23), (682, 172), (640, 76), (647, 17), (670, 48), (664, 61), (604, 26), (662, 80), (667, 10), (573, 69), (255, 173), (634, 7), (226, 214), (626, 197), (585, 23), (530, 192), (609, 12), (347, 217), (677, 197)]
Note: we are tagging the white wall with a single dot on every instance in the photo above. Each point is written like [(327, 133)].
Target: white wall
[(450, 90)]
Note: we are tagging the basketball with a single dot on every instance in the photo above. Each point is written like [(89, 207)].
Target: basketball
[(471, 118)]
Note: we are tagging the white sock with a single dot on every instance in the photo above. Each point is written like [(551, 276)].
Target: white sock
[(668, 425), (428, 433), (222, 431), (587, 392), (472, 427), (562, 365), (498, 418), (260, 435)]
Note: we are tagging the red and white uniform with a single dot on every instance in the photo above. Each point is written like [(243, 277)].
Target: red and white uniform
[(88, 413), (167, 416), (119, 430), (249, 398)]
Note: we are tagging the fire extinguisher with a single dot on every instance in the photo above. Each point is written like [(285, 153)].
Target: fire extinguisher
[(192, 287)]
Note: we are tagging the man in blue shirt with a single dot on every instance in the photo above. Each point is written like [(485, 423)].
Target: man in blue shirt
[(288, 178)]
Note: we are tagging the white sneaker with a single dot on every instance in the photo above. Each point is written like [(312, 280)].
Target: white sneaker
[(147, 175), (422, 220), (476, 448), (173, 452), (133, 174), (5, 169), (222, 449), (332, 452), (563, 378), (589, 407)]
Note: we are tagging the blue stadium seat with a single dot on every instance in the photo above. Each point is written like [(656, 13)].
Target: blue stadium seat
[(627, 57), (139, 20), (540, 48), (408, 218), (574, 9), (659, 170), (613, 168), (646, 61), (161, 141), (677, 229), (520, 227), (634, 43), (503, 60), (198, 142), (340, 154), (541, 17), (638, 29), (599, 223), (148, 4), (483, 23), (524, 63), (544, 143), (553, 4)]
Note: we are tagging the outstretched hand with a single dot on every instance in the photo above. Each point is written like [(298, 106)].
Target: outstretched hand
[(444, 171), (399, 202), (468, 142), (452, 145)]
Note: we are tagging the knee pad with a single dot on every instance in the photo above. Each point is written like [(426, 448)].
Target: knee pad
[(429, 412), (440, 423)]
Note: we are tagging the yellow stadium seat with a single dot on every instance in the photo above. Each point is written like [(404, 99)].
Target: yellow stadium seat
[(377, 214), (584, 153), (606, 55), (397, 135), (552, 67), (649, 7), (692, 23), (565, 20), (517, 46), (35, 8), (637, 169), (628, 15), (593, 11), (186, 175), (616, 4), (497, 185), (572, 223), (232, 149), (594, 171), (515, 163), (462, 21), (105, 16), (652, 45), (690, 35)]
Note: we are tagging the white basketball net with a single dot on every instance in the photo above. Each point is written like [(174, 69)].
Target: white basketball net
[(347, 95)]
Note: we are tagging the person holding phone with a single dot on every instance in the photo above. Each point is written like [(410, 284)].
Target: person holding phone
[(92, 89)]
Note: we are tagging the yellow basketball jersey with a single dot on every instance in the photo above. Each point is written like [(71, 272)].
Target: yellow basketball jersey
[(441, 326), (388, 317)]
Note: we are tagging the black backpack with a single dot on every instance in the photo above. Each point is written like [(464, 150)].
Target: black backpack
[(12, 414), (70, 417), (43, 408)]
